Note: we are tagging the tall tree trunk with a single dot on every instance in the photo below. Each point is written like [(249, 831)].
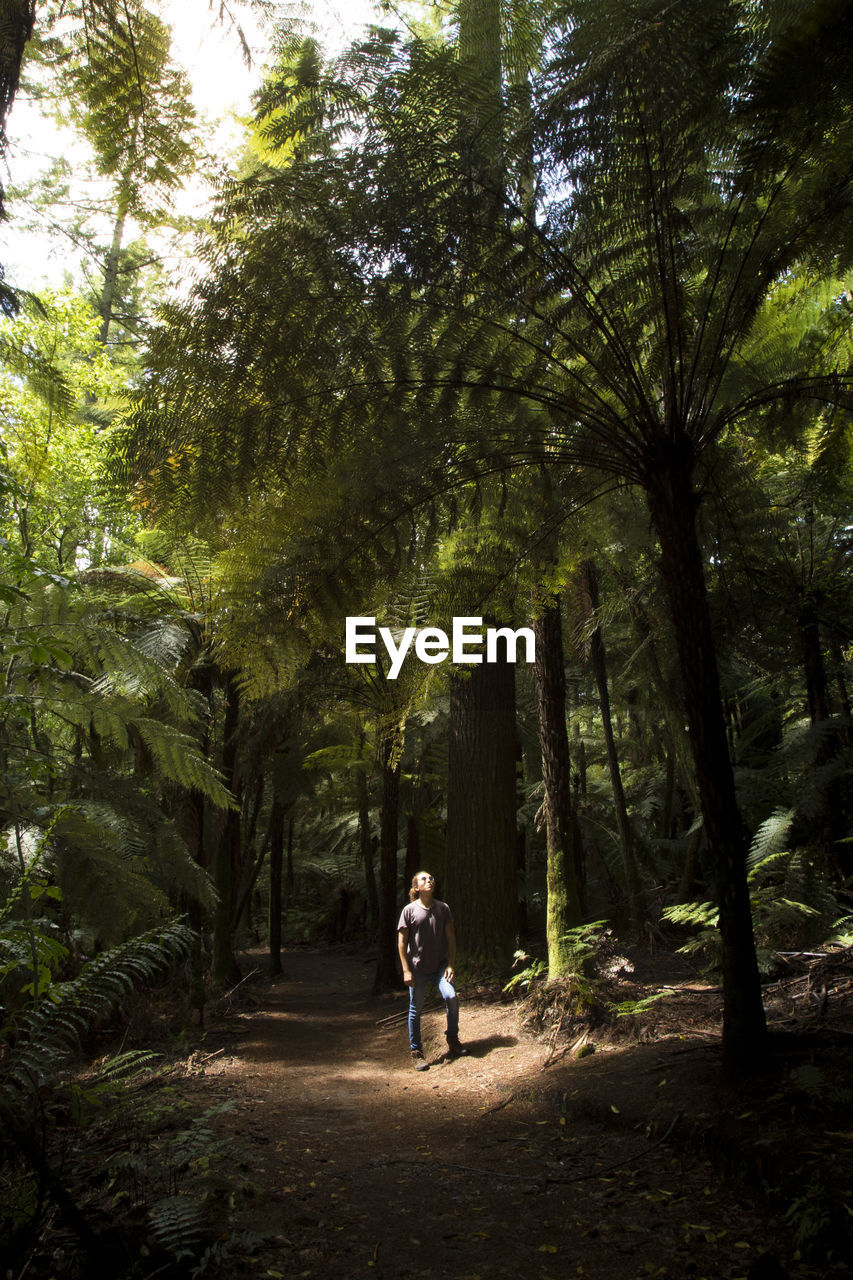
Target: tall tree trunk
[(481, 75), (481, 804), (520, 842), (837, 660), (666, 699), (481, 819), (598, 662), (111, 268), (668, 806), (687, 882), (276, 873), (251, 863), (224, 967), (673, 506), (564, 849), (817, 687), (413, 847), (412, 859), (365, 845), (387, 978), (580, 752), (289, 878), (830, 824)]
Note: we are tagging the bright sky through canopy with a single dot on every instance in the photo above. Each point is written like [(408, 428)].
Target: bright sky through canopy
[(222, 86), (212, 56)]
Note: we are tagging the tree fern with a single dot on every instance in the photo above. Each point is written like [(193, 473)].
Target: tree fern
[(436, 327)]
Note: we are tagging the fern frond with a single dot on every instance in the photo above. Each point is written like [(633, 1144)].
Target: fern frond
[(698, 915), (771, 837), (178, 1225), (179, 759), (45, 1035), (47, 381)]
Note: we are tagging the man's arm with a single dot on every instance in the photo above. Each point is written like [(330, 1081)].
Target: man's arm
[(402, 939), (450, 936)]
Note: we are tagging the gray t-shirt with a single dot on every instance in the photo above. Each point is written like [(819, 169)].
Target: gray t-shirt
[(426, 945)]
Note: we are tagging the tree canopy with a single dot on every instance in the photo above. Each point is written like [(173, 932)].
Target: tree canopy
[(533, 313)]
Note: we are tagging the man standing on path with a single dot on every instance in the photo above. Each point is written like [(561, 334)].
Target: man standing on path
[(426, 941)]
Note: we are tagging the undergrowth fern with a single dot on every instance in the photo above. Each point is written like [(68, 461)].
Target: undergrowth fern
[(41, 1037), (792, 903)]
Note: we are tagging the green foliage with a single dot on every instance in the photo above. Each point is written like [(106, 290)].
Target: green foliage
[(49, 1027), (47, 1015), (133, 107), (612, 307), (180, 1172), (582, 943), (531, 973), (694, 915), (99, 728), (780, 920), (178, 1226), (52, 362), (808, 1216), (842, 934), (632, 1008), (456, 293), (771, 837)]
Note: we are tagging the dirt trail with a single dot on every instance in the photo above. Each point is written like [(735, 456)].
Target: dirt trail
[(486, 1166)]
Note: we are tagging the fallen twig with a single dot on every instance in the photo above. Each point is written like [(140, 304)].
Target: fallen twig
[(402, 1014), (229, 994), (802, 955), (201, 1061), (692, 988), (564, 1052), (399, 1016), (552, 1042), (599, 1173), (499, 1106)]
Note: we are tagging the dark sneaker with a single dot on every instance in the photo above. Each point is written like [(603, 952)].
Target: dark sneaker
[(419, 1062), (454, 1048)]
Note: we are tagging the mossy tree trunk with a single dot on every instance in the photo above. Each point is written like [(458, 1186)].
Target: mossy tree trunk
[(564, 848)]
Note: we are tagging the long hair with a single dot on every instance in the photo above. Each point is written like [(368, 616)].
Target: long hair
[(415, 892)]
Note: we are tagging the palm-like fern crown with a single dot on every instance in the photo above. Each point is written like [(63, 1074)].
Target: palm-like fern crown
[(386, 316), (131, 103)]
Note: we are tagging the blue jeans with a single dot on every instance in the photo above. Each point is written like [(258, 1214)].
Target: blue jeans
[(417, 995)]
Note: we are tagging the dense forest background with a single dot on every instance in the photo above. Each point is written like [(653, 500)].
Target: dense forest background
[(530, 311)]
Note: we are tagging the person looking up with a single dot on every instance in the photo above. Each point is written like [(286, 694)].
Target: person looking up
[(426, 942)]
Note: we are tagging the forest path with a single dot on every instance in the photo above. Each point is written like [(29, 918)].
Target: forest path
[(486, 1166)]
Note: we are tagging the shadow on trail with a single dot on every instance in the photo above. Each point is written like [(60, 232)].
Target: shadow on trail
[(482, 1048)]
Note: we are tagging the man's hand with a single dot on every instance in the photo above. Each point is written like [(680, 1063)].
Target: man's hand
[(407, 977), (448, 973)]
